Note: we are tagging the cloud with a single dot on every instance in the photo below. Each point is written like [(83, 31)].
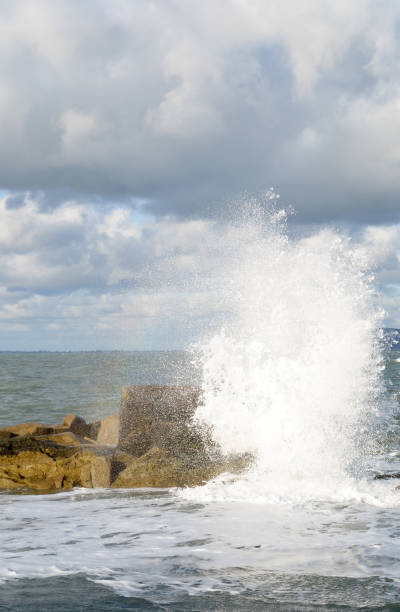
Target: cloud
[(185, 104), (80, 276), (382, 245), (85, 274), (127, 128)]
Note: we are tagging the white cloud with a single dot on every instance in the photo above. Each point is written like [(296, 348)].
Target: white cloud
[(120, 224), (53, 326), (382, 246), (78, 268), (382, 243), (17, 327)]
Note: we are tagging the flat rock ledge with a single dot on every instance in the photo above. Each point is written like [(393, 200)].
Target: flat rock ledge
[(151, 442)]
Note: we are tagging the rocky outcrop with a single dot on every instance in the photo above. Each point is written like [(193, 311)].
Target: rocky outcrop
[(162, 416), (107, 430), (151, 442), (30, 462), (32, 429)]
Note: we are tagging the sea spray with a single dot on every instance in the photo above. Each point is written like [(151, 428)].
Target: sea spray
[(294, 373)]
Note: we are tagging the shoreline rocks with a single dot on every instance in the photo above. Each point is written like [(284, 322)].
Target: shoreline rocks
[(151, 442)]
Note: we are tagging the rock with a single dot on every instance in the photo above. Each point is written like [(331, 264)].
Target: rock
[(152, 442), (162, 417), (93, 430), (24, 429), (17, 444), (142, 404), (100, 471), (28, 462), (104, 432), (156, 469), (66, 438), (108, 431), (77, 425), (28, 470), (6, 435)]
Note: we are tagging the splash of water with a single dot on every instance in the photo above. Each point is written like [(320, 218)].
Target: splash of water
[(294, 373)]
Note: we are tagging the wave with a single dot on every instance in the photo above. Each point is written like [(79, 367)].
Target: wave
[(294, 374)]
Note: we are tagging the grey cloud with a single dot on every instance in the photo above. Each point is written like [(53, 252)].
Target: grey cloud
[(15, 201), (186, 106)]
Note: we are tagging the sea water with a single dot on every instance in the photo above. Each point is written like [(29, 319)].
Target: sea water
[(297, 374), (223, 547)]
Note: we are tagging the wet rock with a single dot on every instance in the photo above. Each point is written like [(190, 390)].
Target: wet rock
[(6, 435), (17, 444), (143, 404), (162, 417), (152, 442), (66, 438), (93, 430), (24, 429), (77, 425), (104, 431), (100, 471), (43, 465), (108, 430), (156, 469)]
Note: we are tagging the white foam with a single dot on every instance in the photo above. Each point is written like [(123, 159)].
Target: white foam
[(258, 488), (136, 542)]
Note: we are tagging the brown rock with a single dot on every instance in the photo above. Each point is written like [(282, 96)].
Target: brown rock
[(157, 469), (153, 469), (76, 424), (108, 431), (162, 416), (6, 435), (17, 444), (100, 471), (24, 429), (28, 470), (66, 438), (93, 430), (146, 403), (32, 463), (159, 445), (69, 419)]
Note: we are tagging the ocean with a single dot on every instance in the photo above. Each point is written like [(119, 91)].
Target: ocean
[(248, 545)]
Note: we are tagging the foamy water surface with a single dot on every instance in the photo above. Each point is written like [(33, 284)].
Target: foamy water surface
[(165, 550)]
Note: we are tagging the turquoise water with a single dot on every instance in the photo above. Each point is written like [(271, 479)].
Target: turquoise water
[(161, 550)]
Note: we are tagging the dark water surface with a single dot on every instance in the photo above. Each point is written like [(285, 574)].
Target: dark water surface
[(161, 550)]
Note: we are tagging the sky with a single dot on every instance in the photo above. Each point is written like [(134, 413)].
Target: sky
[(127, 128)]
